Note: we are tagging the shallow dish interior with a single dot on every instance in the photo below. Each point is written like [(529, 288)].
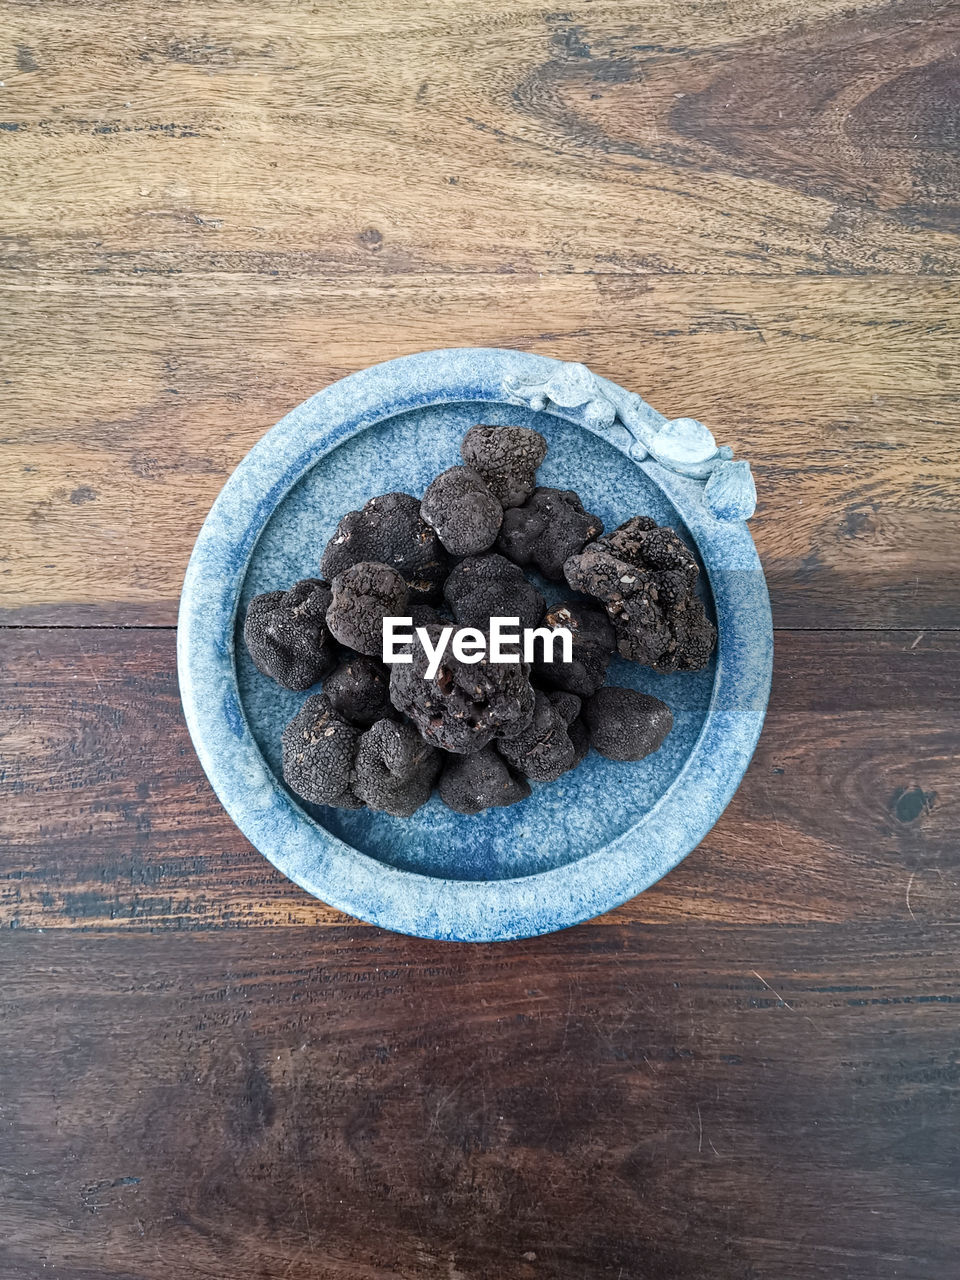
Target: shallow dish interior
[(561, 821)]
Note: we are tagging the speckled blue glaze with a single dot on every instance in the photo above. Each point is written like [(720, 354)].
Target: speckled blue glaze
[(577, 846)]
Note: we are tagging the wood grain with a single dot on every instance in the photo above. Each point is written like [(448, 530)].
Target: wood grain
[(847, 813), (371, 138), (746, 215), (672, 1102), (130, 403), (746, 212)]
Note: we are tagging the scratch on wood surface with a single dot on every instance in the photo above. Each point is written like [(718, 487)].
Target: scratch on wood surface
[(700, 1132), (776, 993), (773, 815), (294, 1260), (445, 1098), (303, 1200), (918, 639), (909, 887), (651, 105), (566, 1023), (785, 1004), (85, 658)]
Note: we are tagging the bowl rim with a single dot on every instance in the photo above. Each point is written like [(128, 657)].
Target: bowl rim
[(357, 883)]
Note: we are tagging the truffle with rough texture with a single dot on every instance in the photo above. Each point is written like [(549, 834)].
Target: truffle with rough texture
[(482, 587), (593, 644), (463, 511), (625, 724), (286, 634), (507, 458), (567, 705), (363, 596), (580, 737), (426, 615), (359, 690), (464, 705), (319, 747), (483, 780), (544, 750), (646, 576), (395, 768), (550, 527), (389, 530)]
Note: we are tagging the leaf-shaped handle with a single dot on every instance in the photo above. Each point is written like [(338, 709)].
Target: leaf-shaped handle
[(730, 492), (683, 445)]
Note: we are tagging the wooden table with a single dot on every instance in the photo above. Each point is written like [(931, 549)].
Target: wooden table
[(749, 214)]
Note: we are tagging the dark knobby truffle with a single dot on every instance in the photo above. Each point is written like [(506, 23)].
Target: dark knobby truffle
[(594, 644), (483, 587), (359, 690), (550, 527), (425, 615), (646, 578), (363, 596), (389, 530), (464, 705), (625, 724), (470, 784), (507, 458), (580, 737), (318, 754), (567, 705), (383, 736), (463, 511), (544, 750), (286, 634), (395, 768)]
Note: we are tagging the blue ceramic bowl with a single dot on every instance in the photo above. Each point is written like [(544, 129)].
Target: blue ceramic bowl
[(577, 846)]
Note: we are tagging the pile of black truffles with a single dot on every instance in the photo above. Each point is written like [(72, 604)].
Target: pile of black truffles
[(384, 736)]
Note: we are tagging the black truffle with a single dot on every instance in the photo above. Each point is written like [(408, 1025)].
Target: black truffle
[(318, 754), (550, 527), (507, 458), (463, 511), (395, 768), (625, 724), (363, 596), (544, 750), (646, 578), (359, 690), (470, 784), (567, 705), (425, 615), (286, 634), (389, 530), (464, 705), (483, 587), (594, 644), (580, 737)]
